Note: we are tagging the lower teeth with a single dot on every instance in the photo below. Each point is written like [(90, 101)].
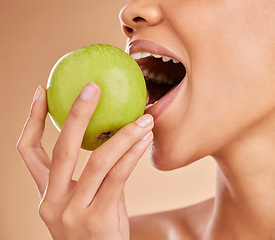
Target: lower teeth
[(149, 105), (157, 81)]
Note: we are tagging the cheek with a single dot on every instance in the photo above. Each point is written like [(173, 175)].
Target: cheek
[(227, 92), (215, 109)]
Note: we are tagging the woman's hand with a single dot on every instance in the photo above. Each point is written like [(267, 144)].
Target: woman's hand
[(93, 207)]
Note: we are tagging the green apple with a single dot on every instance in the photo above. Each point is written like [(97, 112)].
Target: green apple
[(123, 90)]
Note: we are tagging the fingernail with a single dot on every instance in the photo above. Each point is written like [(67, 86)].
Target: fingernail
[(88, 91), (144, 120), (37, 93), (147, 136)]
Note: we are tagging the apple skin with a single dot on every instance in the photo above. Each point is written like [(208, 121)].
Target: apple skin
[(123, 90)]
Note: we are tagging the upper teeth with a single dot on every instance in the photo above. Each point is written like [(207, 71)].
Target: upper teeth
[(139, 55)]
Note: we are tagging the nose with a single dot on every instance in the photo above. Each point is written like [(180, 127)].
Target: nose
[(139, 13)]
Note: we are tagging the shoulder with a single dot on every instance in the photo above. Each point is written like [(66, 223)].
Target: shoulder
[(182, 224)]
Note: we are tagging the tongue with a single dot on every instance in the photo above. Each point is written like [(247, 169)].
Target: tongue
[(156, 91)]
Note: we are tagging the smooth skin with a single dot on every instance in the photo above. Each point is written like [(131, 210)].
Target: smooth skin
[(225, 109), (93, 207)]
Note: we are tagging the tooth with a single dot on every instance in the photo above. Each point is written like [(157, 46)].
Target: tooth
[(136, 55), (175, 61), (165, 78), (158, 77), (151, 75), (166, 59), (145, 54), (149, 105), (157, 56), (170, 81), (154, 80), (145, 72), (161, 77)]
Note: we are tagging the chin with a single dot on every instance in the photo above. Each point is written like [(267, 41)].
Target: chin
[(167, 158)]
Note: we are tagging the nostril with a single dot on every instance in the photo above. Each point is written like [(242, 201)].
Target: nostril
[(127, 30), (138, 19)]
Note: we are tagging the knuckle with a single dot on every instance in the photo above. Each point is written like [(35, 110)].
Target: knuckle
[(95, 163), (46, 212), (22, 147), (77, 112), (60, 151), (129, 131), (116, 176), (68, 219)]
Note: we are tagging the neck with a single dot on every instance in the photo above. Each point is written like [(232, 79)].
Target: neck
[(245, 197)]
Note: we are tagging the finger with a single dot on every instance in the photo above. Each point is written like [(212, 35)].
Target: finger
[(105, 157), (68, 145), (112, 188), (29, 145)]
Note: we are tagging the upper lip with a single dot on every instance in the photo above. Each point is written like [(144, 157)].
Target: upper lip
[(149, 46)]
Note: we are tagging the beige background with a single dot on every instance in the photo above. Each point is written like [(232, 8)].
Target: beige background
[(34, 35)]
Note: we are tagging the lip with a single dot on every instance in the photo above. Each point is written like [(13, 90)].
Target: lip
[(162, 104), (147, 46)]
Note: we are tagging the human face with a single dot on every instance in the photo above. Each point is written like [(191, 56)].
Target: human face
[(225, 48)]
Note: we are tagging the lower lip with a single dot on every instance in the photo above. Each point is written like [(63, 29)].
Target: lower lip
[(163, 103)]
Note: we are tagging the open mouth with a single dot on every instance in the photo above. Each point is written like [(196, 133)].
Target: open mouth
[(162, 74)]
